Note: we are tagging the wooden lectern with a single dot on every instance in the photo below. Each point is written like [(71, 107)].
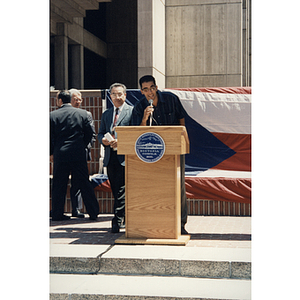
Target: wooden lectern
[(153, 205)]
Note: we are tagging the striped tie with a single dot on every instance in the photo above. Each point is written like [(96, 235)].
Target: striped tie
[(115, 122), (116, 117)]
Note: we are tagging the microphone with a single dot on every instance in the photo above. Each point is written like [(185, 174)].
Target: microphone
[(151, 115)]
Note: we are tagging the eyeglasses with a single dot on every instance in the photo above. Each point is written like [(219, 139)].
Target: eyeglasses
[(114, 95), (152, 89), (78, 99)]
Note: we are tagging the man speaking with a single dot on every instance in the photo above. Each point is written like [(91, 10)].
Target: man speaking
[(161, 109)]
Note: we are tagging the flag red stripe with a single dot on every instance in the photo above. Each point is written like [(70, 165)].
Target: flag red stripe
[(241, 144), (219, 189), (222, 90)]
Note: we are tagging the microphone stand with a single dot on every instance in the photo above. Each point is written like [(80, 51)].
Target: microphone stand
[(151, 115)]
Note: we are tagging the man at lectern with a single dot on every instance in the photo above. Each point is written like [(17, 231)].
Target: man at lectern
[(161, 108), (118, 115)]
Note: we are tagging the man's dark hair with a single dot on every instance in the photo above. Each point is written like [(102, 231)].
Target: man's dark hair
[(65, 96), (147, 78)]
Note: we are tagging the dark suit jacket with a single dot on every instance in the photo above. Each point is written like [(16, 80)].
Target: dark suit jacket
[(70, 133), (91, 143), (106, 122)]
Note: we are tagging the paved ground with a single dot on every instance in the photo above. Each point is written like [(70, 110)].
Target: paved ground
[(205, 231), (80, 247)]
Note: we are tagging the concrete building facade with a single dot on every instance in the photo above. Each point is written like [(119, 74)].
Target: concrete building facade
[(182, 43)]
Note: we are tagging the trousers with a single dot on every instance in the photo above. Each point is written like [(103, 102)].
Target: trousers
[(61, 172), (116, 176), (184, 208)]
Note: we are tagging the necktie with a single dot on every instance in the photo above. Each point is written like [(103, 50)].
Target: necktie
[(115, 122), (116, 117)]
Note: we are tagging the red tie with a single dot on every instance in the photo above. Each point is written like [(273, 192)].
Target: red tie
[(115, 122), (116, 117)]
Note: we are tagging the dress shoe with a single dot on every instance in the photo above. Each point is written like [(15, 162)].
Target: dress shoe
[(183, 231), (77, 214), (93, 218), (115, 228), (61, 218)]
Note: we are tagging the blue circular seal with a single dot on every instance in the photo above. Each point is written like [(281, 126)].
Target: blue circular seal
[(150, 147)]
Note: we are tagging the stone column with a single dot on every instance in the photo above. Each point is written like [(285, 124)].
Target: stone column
[(77, 67), (151, 40), (61, 58)]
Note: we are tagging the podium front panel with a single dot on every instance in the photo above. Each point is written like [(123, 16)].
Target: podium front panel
[(153, 198)]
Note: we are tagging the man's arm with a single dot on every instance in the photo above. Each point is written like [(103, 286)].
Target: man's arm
[(92, 123), (101, 133), (103, 130), (51, 136), (88, 130)]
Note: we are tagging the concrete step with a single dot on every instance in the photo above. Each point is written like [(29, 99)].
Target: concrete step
[(75, 286), (205, 262)]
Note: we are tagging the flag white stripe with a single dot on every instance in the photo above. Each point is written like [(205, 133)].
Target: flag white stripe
[(218, 112)]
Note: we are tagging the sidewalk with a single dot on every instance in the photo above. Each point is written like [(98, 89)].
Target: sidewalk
[(85, 263), (205, 231)]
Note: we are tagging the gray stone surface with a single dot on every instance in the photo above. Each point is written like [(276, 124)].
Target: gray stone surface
[(149, 266), (241, 270), (139, 266), (59, 297), (210, 269), (74, 265)]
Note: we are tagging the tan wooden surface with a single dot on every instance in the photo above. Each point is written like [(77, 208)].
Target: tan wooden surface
[(153, 197), (181, 240), (175, 138), (153, 189)]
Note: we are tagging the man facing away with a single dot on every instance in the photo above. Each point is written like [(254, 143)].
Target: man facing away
[(75, 194), (70, 133), (166, 110), (118, 115)]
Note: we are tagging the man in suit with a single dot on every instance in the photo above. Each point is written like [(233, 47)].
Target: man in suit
[(75, 194), (118, 115), (166, 110), (70, 133)]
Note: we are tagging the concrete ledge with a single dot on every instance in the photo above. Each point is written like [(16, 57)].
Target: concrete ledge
[(241, 270), (209, 269), (125, 266), (165, 267), (59, 297), (151, 260), (70, 265), (76, 259)]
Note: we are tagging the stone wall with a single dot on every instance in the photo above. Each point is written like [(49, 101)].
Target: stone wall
[(204, 44)]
